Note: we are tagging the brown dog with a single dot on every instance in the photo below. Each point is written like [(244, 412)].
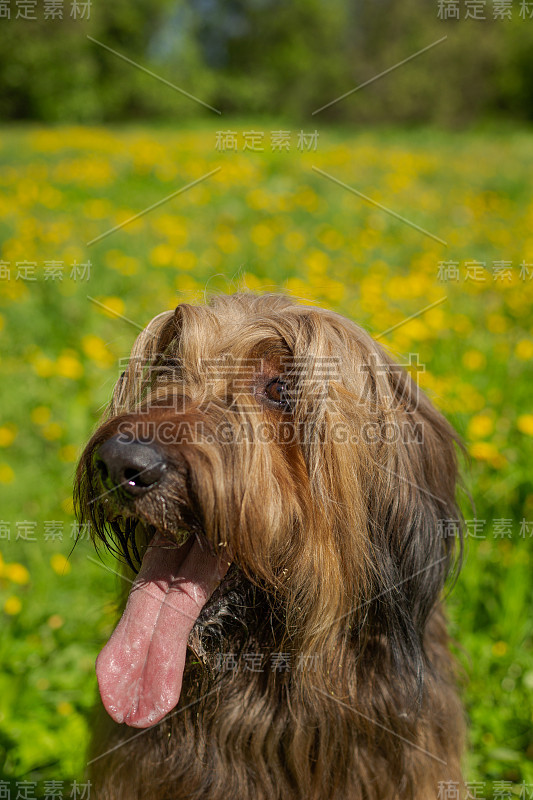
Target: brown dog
[(282, 487)]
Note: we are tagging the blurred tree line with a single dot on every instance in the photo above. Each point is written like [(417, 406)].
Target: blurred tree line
[(269, 57)]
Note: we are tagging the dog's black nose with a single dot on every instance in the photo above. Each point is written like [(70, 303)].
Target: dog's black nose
[(135, 467)]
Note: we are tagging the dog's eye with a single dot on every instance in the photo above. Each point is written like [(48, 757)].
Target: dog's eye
[(278, 392)]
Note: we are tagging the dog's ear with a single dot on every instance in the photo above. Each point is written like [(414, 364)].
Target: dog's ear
[(382, 468), (415, 523)]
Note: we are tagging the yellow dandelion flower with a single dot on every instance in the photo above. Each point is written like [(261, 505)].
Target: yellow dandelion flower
[(483, 451), (334, 291), (499, 648), (68, 366), (524, 424), (43, 366), (186, 283), (307, 198), (415, 329), (113, 306), (126, 265), (213, 257), (65, 708), (40, 415), (398, 181), (524, 349), (162, 255), (55, 622), (67, 505), (227, 241), (294, 241), (398, 286), (17, 573), (331, 239), (480, 426), (462, 324), (171, 226), (92, 344), (474, 360), (6, 474), (468, 398), (201, 195), (299, 290), (8, 434), (496, 323), (95, 348), (186, 259), (12, 606), (251, 282), (129, 221), (258, 199), (486, 451), (97, 209), (419, 285), (262, 235), (60, 564), (50, 197), (68, 453), (52, 431), (435, 319), (317, 262)]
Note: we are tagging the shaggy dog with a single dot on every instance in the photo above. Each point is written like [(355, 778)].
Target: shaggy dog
[(279, 486)]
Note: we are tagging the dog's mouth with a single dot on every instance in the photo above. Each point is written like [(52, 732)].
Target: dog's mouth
[(140, 669)]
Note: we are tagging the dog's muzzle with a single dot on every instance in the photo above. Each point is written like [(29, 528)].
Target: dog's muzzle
[(134, 467), (140, 670)]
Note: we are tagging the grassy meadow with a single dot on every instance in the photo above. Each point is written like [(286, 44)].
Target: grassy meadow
[(264, 220)]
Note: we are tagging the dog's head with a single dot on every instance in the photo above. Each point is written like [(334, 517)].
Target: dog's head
[(257, 443)]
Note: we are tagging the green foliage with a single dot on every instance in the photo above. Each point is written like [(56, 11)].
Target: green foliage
[(267, 57), (51, 70)]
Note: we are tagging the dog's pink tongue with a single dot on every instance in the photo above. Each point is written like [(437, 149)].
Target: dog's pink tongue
[(140, 670)]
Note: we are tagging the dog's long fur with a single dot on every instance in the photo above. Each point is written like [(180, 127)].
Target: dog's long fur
[(339, 561)]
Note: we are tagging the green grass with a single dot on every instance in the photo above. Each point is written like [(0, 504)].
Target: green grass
[(265, 220)]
